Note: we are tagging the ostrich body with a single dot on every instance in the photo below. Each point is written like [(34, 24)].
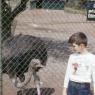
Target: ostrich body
[(17, 53)]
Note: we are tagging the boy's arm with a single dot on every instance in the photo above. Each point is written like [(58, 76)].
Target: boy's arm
[(68, 73), (93, 75)]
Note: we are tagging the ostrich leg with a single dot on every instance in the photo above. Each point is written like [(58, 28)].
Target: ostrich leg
[(38, 87), (36, 77), (37, 82)]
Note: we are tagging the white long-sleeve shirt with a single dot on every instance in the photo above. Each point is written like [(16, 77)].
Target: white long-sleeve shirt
[(80, 68)]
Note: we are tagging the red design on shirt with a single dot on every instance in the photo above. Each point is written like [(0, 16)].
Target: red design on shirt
[(75, 66)]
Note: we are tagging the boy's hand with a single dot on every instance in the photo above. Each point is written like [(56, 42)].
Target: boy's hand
[(94, 91), (65, 91)]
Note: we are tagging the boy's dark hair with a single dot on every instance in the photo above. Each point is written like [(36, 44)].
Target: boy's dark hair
[(78, 38)]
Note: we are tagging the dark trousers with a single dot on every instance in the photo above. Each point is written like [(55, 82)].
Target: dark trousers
[(75, 88)]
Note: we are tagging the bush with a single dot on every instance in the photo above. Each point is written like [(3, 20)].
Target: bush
[(78, 4)]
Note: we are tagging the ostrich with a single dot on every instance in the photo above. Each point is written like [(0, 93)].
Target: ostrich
[(18, 52)]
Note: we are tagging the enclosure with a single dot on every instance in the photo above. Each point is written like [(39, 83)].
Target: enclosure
[(54, 27)]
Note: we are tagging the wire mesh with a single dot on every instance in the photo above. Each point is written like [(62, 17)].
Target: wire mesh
[(47, 4), (39, 32)]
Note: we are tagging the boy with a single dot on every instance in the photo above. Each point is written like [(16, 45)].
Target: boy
[(81, 67)]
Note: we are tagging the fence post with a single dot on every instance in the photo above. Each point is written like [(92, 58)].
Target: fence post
[(0, 49)]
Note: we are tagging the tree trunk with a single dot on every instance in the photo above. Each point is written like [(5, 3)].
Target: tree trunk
[(8, 16), (6, 20)]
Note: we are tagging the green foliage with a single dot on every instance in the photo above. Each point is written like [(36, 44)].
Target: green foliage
[(77, 4)]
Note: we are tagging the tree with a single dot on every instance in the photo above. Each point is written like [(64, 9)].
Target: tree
[(79, 4), (8, 15)]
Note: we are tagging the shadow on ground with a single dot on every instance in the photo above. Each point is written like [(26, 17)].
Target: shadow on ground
[(33, 91)]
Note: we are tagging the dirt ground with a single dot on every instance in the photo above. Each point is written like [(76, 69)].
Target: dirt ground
[(54, 27)]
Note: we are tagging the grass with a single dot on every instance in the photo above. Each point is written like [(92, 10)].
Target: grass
[(75, 11)]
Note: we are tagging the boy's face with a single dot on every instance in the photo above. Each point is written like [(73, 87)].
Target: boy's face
[(78, 48)]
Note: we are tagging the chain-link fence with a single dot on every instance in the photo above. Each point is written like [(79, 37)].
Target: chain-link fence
[(35, 51)]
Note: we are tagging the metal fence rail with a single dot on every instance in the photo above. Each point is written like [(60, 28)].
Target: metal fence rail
[(0, 53)]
